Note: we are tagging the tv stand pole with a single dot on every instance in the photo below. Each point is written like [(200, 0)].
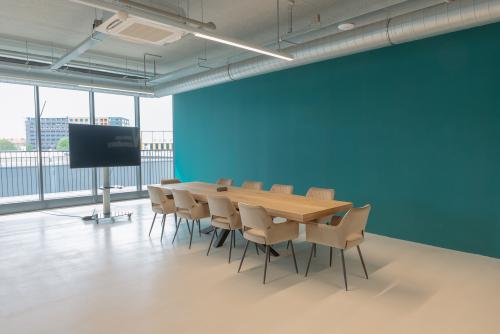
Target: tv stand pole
[(106, 193), (106, 200)]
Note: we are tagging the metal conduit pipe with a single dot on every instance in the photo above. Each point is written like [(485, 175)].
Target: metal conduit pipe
[(77, 64), (25, 74), (309, 34), (435, 20)]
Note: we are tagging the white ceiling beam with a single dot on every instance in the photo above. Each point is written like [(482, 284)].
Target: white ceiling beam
[(96, 38)]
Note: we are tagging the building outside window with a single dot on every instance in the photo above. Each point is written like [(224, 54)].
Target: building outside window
[(157, 138), (59, 107), (19, 178), (117, 110)]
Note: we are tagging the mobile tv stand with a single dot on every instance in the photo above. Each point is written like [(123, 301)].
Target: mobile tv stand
[(106, 214)]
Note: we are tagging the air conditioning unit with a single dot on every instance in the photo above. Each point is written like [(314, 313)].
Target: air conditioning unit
[(138, 30)]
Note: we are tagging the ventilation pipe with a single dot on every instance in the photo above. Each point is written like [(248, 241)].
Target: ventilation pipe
[(427, 22)]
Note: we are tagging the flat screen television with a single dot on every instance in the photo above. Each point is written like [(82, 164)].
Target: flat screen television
[(103, 146)]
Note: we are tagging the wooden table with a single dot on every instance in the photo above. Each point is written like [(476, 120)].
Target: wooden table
[(293, 207)]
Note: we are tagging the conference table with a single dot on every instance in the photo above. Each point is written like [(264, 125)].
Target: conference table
[(292, 207)]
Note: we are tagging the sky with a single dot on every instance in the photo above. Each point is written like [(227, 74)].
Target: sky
[(17, 103)]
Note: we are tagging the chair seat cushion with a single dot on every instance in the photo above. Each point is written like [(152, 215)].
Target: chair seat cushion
[(225, 223), (255, 235), (197, 212), (329, 235), (276, 234)]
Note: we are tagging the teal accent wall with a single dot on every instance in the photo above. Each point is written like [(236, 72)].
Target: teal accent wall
[(413, 129)]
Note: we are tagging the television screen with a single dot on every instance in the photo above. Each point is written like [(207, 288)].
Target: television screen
[(103, 146)]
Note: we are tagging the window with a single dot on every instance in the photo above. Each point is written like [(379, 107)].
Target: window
[(156, 139), (22, 168), (117, 110), (18, 135), (57, 107)]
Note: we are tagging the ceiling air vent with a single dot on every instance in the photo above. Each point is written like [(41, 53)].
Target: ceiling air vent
[(138, 30)]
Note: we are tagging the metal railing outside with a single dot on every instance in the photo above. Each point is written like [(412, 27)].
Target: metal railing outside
[(19, 174)]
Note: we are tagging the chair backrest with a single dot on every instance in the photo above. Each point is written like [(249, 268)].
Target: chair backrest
[(221, 206), (281, 188), (159, 198), (320, 193), (354, 221), (225, 182), (253, 216), (183, 199), (169, 181), (257, 185)]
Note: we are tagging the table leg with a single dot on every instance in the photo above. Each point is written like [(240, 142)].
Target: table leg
[(222, 237), (207, 230)]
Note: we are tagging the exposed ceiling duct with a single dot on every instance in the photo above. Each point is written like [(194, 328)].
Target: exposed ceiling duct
[(443, 18)]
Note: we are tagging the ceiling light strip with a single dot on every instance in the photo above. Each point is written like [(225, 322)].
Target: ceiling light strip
[(243, 46), (124, 90)]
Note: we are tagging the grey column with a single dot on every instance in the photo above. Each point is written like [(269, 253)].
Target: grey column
[(137, 109), (92, 121), (39, 143)]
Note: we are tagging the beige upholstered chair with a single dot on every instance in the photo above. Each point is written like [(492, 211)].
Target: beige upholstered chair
[(345, 233), (282, 188), (257, 185), (161, 204), (224, 216), (325, 194), (321, 193), (225, 182), (187, 208), (258, 227), (169, 181)]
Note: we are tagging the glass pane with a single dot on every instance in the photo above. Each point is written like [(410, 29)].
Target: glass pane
[(58, 108), (116, 110), (156, 139), (18, 156)]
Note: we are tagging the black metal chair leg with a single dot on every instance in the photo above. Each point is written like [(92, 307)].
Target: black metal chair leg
[(293, 254), (343, 268), (265, 264), (154, 218), (192, 232), (230, 244), (315, 250), (199, 228), (211, 241), (244, 253), (177, 225), (187, 223), (331, 255), (362, 261), (216, 232), (256, 248), (310, 258), (163, 226), (288, 244)]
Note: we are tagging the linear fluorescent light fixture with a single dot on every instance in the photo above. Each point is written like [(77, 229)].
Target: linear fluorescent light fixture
[(244, 46), (116, 89)]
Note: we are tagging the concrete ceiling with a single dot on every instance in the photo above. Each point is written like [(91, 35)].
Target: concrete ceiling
[(63, 24)]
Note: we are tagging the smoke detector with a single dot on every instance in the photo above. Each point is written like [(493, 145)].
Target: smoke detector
[(139, 30), (346, 26)]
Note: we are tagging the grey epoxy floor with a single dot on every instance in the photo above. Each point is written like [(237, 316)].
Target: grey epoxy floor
[(61, 275)]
